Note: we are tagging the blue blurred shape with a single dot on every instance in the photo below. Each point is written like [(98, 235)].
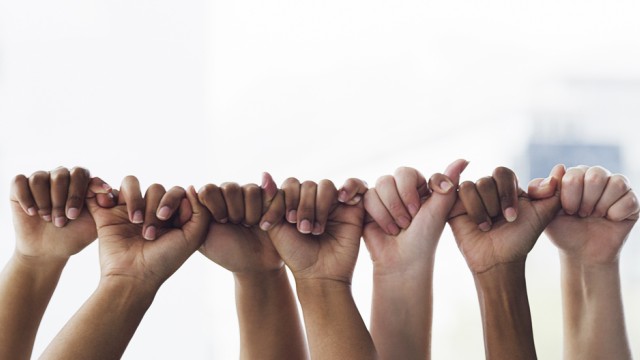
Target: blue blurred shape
[(543, 156)]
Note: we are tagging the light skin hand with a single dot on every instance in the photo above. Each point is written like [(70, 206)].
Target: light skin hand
[(598, 212), (51, 225), (405, 218), (135, 259)]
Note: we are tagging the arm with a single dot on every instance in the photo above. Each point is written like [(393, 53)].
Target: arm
[(270, 326), (598, 212), (320, 245), (51, 225), (403, 255), (496, 225), (135, 259)]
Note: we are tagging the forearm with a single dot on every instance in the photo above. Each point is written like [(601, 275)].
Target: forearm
[(594, 325), (334, 326), (401, 314), (105, 324), (270, 326), (506, 318), (26, 286)]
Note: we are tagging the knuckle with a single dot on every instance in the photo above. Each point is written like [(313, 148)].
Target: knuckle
[(208, 190), (502, 171), (230, 187), (290, 181), (39, 178), (326, 183), (485, 183), (309, 184), (404, 171), (467, 186), (19, 180), (384, 181), (60, 173), (130, 179), (79, 172), (156, 188), (619, 183)]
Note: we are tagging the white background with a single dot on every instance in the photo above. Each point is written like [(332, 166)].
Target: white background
[(192, 92)]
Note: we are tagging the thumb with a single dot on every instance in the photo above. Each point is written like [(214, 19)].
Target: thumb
[(197, 226), (442, 200), (545, 195)]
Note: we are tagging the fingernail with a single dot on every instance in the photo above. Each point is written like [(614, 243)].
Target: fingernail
[(73, 213), (265, 225), (292, 217), (343, 196), (485, 226), (413, 210), (356, 199), (583, 214), (305, 226), (510, 214), (111, 196), (31, 211), (393, 229), (59, 221), (107, 187), (317, 229), (264, 181), (445, 186), (46, 218), (163, 213), (150, 233), (404, 222), (224, 221), (137, 217)]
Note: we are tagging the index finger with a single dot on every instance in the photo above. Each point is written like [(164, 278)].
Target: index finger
[(507, 184)]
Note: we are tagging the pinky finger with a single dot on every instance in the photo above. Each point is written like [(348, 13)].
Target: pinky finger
[(625, 208), (352, 191), (20, 192)]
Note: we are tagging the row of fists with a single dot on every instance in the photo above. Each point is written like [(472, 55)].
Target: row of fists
[(252, 226)]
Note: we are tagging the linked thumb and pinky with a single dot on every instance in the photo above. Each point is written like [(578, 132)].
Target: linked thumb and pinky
[(445, 185)]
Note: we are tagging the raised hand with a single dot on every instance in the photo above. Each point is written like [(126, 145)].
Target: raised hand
[(406, 216), (495, 222), (49, 215), (270, 326), (598, 212), (141, 245), (238, 240), (320, 243), (495, 225), (51, 224)]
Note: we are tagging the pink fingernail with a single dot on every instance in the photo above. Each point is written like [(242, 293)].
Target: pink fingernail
[(404, 222), (265, 225), (545, 182), (445, 186), (59, 221), (73, 213), (150, 233), (485, 226), (305, 226), (393, 229), (164, 213), (292, 216), (317, 229), (107, 187), (510, 214), (31, 211), (46, 218), (343, 196), (137, 217)]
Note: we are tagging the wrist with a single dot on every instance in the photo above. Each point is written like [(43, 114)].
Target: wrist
[(317, 289), (260, 279), (128, 289), (45, 265)]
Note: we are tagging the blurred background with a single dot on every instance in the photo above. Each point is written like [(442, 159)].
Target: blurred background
[(192, 92)]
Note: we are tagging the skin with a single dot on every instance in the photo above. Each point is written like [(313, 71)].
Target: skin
[(132, 267), (319, 243), (407, 217), (51, 225), (495, 225), (270, 326), (598, 212)]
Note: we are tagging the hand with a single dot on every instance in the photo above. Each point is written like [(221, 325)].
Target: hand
[(494, 222), (321, 237), (167, 241), (49, 214), (235, 241), (598, 212), (406, 219)]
